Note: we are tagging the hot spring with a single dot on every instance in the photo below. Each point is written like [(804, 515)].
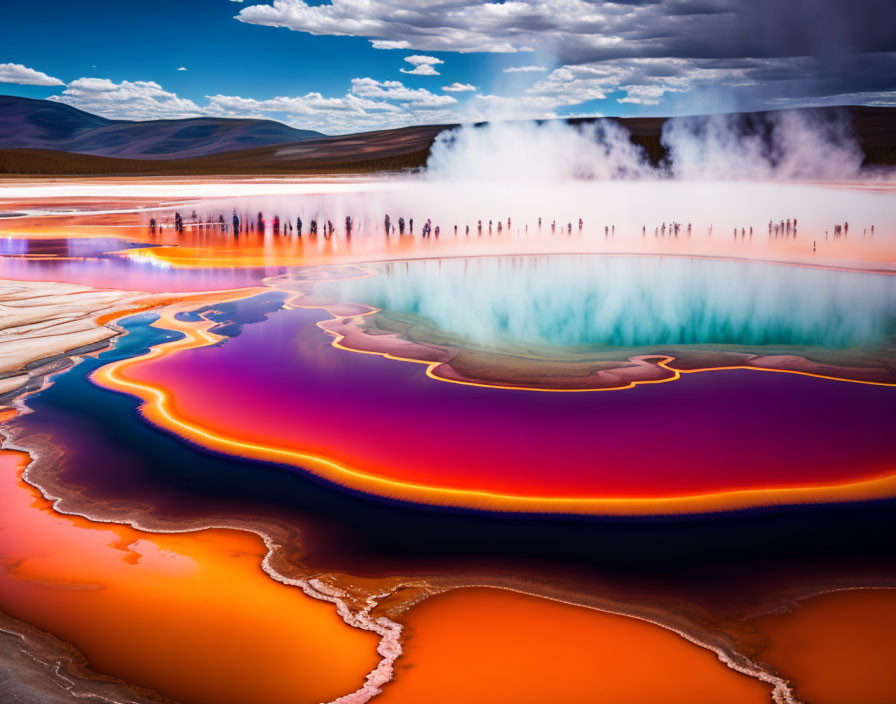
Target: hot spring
[(600, 301)]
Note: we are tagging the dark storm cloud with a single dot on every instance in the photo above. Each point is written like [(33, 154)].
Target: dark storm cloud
[(751, 50), (581, 30)]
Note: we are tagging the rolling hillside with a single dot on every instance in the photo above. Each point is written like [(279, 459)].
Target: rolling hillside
[(44, 124)]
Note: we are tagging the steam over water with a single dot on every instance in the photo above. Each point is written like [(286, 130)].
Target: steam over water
[(636, 301), (788, 145)]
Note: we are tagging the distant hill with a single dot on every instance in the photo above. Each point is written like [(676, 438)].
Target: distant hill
[(44, 124), (383, 150)]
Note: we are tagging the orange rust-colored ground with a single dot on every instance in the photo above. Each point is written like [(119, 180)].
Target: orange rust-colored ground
[(837, 648), (192, 616), (487, 645)]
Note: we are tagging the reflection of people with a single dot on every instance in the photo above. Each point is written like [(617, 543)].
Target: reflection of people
[(299, 226), (348, 225), (236, 223)]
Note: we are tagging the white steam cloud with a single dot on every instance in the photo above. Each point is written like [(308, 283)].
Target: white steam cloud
[(537, 152), (787, 145)]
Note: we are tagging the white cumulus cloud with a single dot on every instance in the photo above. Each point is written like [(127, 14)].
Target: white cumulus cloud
[(396, 90), (16, 73), (423, 65), (459, 87), (128, 100), (368, 104)]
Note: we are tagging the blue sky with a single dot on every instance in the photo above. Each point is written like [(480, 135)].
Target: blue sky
[(348, 65)]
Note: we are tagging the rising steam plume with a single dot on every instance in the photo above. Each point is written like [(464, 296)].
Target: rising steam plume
[(778, 146)]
